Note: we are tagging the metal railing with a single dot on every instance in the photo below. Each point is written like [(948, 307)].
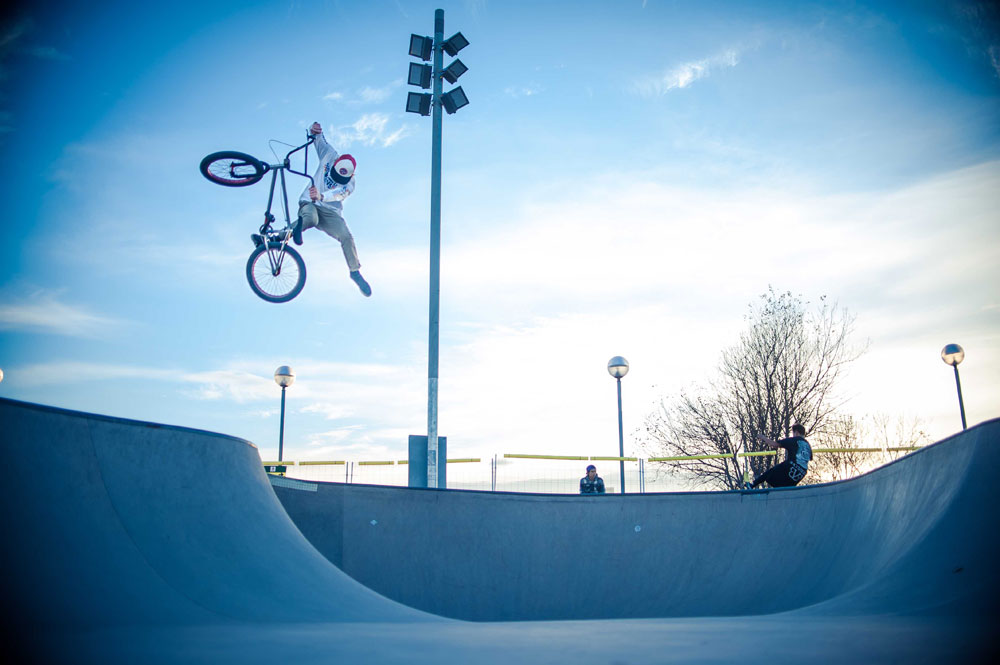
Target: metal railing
[(524, 472)]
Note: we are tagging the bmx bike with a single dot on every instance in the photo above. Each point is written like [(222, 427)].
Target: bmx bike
[(275, 271)]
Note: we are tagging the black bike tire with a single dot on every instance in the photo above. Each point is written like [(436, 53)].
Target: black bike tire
[(243, 159), (285, 295)]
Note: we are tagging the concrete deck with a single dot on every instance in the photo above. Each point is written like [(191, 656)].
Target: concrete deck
[(130, 542)]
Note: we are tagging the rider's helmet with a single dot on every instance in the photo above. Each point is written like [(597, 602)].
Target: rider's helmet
[(343, 169)]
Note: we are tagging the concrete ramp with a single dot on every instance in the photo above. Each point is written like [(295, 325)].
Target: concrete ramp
[(920, 535), (117, 522), (128, 542)]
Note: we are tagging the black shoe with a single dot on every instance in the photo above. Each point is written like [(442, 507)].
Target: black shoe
[(257, 239), (360, 281), (297, 231)]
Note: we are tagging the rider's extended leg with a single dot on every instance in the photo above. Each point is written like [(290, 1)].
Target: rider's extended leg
[(334, 226)]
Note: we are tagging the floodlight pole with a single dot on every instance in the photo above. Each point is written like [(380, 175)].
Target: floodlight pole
[(435, 268)]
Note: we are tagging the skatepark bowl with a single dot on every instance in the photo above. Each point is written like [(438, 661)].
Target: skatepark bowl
[(132, 542)]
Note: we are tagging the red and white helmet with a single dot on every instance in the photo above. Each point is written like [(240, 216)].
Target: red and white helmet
[(343, 169)]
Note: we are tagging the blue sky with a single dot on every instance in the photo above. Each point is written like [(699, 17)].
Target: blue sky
[(627, 178)]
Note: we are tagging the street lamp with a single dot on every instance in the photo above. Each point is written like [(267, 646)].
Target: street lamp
[(618, 367), (952, 354), (284, 377), (430, 103)]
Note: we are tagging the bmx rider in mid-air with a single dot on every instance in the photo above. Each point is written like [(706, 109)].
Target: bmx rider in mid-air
[(322, 204)]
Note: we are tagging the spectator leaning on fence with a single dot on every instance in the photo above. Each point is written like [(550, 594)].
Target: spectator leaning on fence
[(591, 483)]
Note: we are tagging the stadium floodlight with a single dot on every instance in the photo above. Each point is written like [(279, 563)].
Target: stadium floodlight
[(454, 44), (417, 102), (453, 71), (432, 104), (454, 99), (420, 75), (421, 47)]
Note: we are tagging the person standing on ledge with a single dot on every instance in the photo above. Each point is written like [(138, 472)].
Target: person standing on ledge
[(793, 469), (591, 483)]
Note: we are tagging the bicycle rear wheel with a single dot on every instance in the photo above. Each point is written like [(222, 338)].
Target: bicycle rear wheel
[(276, 274), (232, 169)]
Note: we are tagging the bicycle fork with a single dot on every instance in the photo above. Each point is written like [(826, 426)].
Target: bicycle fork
[(275, 257)]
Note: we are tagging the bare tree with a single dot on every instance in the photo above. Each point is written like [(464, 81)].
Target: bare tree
[(863, 444), (782, 371)]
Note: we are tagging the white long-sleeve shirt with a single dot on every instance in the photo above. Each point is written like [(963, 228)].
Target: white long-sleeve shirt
[(331, 193)]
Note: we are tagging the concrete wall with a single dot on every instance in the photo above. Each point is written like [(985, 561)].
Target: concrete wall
[(916, 536)]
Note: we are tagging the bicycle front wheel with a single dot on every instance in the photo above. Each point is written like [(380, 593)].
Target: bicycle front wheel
[(276, 274), (232, 169)]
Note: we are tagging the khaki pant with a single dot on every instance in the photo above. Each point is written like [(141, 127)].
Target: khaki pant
[(334, 226)]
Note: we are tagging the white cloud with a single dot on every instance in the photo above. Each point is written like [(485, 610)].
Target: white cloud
[(371, 129), (475, 7), (63, 373), (658, 273), (683, 75), (237, 385), (522, 91), (375, 95), (47, 53), (330, 411), (539, 304), (44, 312), (13, 33), (366, 95)]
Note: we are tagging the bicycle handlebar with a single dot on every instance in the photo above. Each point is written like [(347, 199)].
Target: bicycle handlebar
[(310, 139)]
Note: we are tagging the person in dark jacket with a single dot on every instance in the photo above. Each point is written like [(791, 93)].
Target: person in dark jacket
[(798, 454), (591, 483)]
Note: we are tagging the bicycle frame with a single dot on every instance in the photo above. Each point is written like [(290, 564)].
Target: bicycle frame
[(276, 257), (267, 278), (277, 169)]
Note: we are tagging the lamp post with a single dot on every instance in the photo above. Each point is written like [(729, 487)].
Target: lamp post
[(284, 377), (618, 367), (430, 76), (952, 354)]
